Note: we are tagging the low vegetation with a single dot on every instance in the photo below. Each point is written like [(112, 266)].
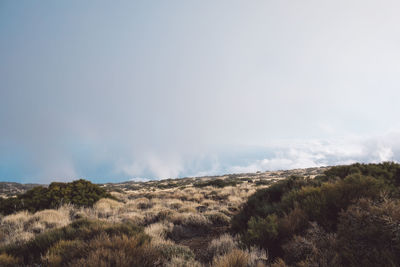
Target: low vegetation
[(347, 217), (339, 216), (79, 193)]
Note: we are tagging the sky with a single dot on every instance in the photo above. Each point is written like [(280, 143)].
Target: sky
[(112, 91)]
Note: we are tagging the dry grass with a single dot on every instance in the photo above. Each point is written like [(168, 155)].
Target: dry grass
[(158, 210), (197, 215), (241, 258), (182, 262), (235, 258), (221, 246), (158, 232), (23, 226)]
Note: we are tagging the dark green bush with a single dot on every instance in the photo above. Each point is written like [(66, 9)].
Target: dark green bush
[(220, 183), (296, 202), (263, 232), (265, 201), (388, 172), (369, 234), (79, 192)]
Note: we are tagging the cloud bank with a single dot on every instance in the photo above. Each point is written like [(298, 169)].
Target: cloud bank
[(113, 91), (299, 154)]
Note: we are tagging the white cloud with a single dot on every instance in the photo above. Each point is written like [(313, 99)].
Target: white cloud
[(323, 153), (140, 179)]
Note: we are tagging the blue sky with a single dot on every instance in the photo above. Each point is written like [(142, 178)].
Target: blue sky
[(117, 90)]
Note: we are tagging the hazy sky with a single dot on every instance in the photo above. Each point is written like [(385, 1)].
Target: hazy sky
[(116, 90)]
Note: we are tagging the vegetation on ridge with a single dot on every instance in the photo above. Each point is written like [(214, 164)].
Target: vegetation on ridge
[(338, 216), (79, 193), (348, 216)]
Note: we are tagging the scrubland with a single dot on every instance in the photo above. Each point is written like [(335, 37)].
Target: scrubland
[(340, 216), (187, 222)]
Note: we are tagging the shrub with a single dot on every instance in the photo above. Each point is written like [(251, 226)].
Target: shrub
[(263, 232), (84, 230), (63, 251), (218, 218), (293, 222), (369, 234), (388, 172), (105, 250), (169, 251), (273, 215), (221, 246), (235, 258), (158, 231), (219, 183), (315, 248), (8, 261), (265, 201), (79, 193)]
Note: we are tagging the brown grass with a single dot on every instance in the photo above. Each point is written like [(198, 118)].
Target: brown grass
[(195, 215)]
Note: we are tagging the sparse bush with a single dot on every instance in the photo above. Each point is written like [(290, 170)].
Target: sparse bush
[(22, 226), (84, 230), (105, 250), (191, 219), (106, 207), (158, 231), (63, 251), (169, 251), (315, 248), (221, 246)]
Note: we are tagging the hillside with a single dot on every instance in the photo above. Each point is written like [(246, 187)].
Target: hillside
[(8, 189), (330, 216), (260, 178)]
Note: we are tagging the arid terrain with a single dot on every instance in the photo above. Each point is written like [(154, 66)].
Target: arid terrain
[(329, 216), (191, 215)]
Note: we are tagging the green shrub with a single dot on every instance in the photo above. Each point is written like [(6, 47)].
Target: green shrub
[(387, 172), (219, 183), (369, 234), (79, 193), (273, 215), (265, 201), (263, 231), (323, 204), (315, 247), (292, 222), (63, 251)]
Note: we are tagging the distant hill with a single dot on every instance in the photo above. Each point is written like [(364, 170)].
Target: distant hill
[(260, 178), (8, 189)]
